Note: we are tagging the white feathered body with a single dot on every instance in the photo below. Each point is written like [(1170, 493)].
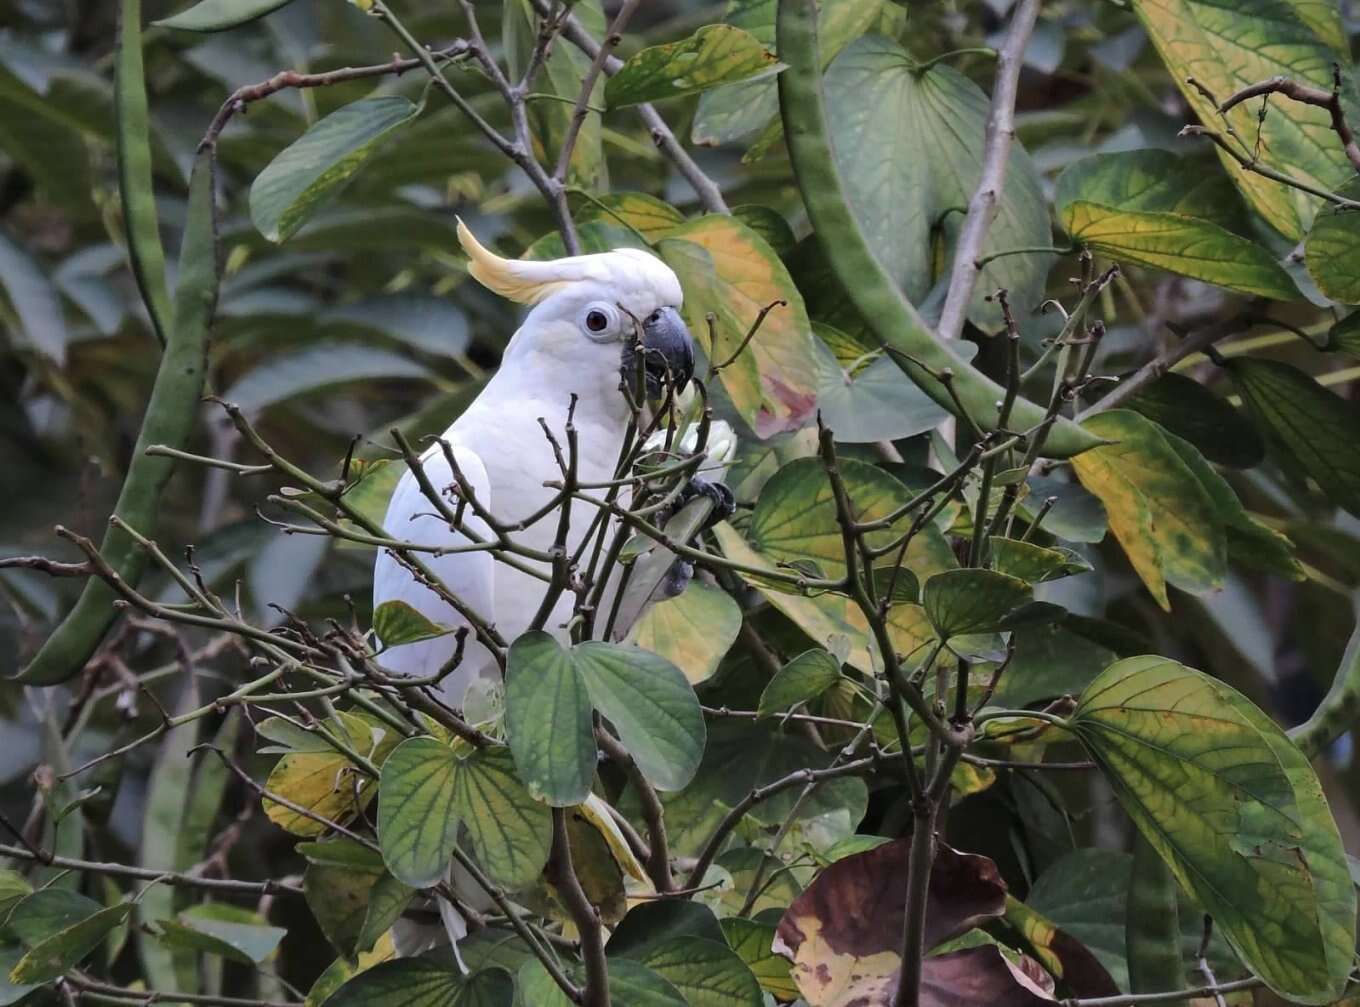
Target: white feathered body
[(505, 456)]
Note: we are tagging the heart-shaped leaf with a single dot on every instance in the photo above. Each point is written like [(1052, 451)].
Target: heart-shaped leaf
[(716, 54)]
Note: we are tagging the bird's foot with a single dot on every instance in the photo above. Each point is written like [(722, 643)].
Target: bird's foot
[(724, 501)]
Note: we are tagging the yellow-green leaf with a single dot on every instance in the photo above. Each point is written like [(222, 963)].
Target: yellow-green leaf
[(50, 957), (822, 617), (1236, 812), (637, 211), (1227, 46), (804, 678), (729, 270), (715, 54), (326, 783), (1157, 509), (692, 631), (1332, 251), (396, 622)]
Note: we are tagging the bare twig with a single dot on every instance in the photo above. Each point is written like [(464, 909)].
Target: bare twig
[(1307, 94), (707, 190), (982, 207), (1156, 368), (582, 107), (176, 879), (1139, 999), (241, 98), (97, 991)]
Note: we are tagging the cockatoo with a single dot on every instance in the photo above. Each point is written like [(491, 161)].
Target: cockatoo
[(573, 342)]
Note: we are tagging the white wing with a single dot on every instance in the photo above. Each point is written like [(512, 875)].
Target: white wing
[(411, 517)]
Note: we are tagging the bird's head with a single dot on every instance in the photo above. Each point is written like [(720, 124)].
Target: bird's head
[(587, 309)]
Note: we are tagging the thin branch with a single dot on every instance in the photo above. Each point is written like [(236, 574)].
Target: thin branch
[(710, 196), (117, 994), (51, 567), (563, 877), (1163, 362), (582, 107), (1308, 95), (1138, 999), (658, 847), (982, 208), (176, 879), (241, 98)]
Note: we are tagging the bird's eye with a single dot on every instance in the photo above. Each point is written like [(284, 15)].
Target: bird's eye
[(599, 320)]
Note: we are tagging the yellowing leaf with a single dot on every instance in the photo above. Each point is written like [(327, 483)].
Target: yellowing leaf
[(1226, 46), (1236, 812), (1157, 509), (693, 631), (594, 810), (325, 783), (729, 270), (647, 215)]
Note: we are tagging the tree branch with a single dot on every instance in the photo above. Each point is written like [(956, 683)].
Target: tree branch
[(982, 207), (710, 196), (1163, 362), (582, 107), (1308, 95), (176, 879)]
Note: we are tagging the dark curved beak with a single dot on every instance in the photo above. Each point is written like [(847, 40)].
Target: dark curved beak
[(669, 346)]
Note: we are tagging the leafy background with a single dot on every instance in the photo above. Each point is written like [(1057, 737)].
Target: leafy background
[(365, 317)]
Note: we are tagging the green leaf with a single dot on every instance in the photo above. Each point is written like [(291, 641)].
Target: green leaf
[(741, 756), (417, 816), (727, 269), (693, 631), (651, 705), (752, 941), (547, 720), (46, 912), (1154, 209), (803, 679), (715, 54), (1308, 425), (1249, 541), (707, 973), (795, 517), (396, 622), (13, 887), (315, 166), (222, 929), (872, 402), (1332, 250), (962, 602), (1085, 892), (731, 113), (1345, 335), (219, 15), (317, 367), (419, 982), (630, 983), (55, 953), (1237, 813), (1186, 408), (1034, 563), (351, 894), (1228, 46), (508, 831), (909, 145), (1157, 509)]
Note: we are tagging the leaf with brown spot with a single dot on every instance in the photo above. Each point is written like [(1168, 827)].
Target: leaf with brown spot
[(843, 933)]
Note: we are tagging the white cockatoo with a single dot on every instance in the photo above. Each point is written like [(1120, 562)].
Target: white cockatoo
[(572, 341)]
